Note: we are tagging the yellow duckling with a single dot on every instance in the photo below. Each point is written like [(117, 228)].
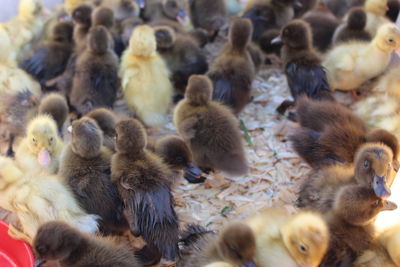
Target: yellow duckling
[(41, 148), (145, 78), (289, 240), (350, 64), (376, 10)]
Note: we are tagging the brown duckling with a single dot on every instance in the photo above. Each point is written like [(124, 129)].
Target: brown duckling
[(340, 7), (182, 55), (81, 16), (330, 133), (393, 9), (85, 166), (303, 69), (289, 240), (50, 59), (263, 19), (59, 241), (56, 106), (372, 169), (266, 44), (210, 129), (235, 244), (351, 224), (208, 14), (178, 156), (106, 119), (144, 183), (354, 28), (95, 82), (233, 71), (122, 9)]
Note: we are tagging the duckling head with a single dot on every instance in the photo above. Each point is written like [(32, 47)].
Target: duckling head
[(373, 168), (306, 237), (99, 40), (87, 138), (105, 119), (131, 136), (63, 32), (357, 19), (296, 35), (143, 41), (240, 33), (237, 245), (378, 7), (29, 9), (131, 6), (387, 38), (56, 241), (42, 138), (71, 5), (103, 16), (172, 9), (82, 14), (199, 90), (165, 37), (387, 138)]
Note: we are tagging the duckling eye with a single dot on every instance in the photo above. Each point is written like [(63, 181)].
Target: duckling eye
[(303, 248), (366, 164), (389, 166), (34, 140), (51, 139), (391, 41)]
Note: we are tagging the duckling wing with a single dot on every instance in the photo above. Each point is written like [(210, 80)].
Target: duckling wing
[(308, 80)]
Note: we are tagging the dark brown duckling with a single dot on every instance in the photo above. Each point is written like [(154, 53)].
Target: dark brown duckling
[(106, 119), (303, 69), (178, 156), (354, 29), (330, 133), (266, 44), (86, 168), (183, 56), (95, 83), (235, 244), (59, 241), (55, 105), (351, 224), (144, 182), (233, 71), (82, 18), (210, 129), (393, 9), (262, 18), (50, 59), (208, 14), (372, 169), (323, 25)]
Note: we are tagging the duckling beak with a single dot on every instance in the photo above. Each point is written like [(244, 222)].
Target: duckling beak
[(297, 4), (249, 264), (140, 3), (44, 157), (182, 16), (193, 174), (389, 205), (277, 41), (380, 187)]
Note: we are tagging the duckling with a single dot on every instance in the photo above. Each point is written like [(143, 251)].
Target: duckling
[(81, 16), (372, 169), (106, 120), (383, 251), (351, 224), (36, 200), (376, 10), (176, 154), (41, 148), (393, 9), (59, 241), (210, 129), (163, 9), (235, 244), (144, 183), (50, 59), (330, 133), (145, 78), (303, 69), (323, 25), (85, 167), (263, 18), (182, 55), (56, 106), (95, 82), (289, 240), (233, 70), (354, 29), (266, 44), (348, 66), (208, 14), (123, 9)]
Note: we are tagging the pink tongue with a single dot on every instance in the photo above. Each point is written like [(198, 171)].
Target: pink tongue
[(44, 158)]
